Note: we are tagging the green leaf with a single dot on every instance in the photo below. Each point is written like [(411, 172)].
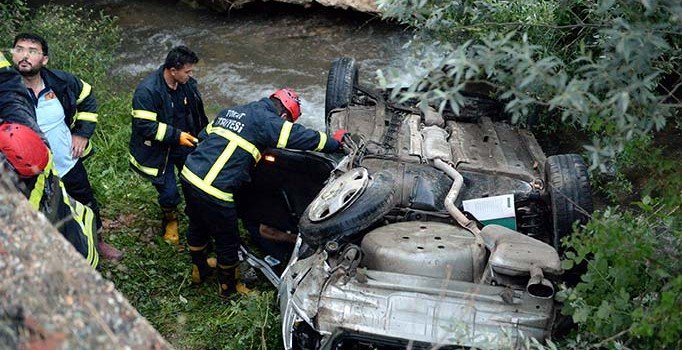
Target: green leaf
[(581, 314)]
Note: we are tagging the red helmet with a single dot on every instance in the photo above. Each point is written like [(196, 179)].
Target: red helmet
[(290, 100), (24, 149)]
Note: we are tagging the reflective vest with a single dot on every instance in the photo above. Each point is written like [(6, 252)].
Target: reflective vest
[(232, 144)]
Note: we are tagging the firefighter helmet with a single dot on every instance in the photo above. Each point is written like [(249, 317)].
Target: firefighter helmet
[(290, 100), (23, 148)]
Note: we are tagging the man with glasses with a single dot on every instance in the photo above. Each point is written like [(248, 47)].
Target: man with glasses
[(25, 152), (66, 112)]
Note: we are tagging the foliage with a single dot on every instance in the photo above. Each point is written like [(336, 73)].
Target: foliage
[(607, 67), (81, 41), (631, 293), (647, 167), (12, 13), (613, 70)]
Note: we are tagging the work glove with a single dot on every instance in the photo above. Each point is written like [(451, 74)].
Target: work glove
[(339, 134), (187, 140)]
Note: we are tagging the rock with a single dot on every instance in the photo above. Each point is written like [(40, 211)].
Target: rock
[(50, 297)]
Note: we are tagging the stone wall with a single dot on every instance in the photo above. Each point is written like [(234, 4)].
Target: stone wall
[(50, 298)]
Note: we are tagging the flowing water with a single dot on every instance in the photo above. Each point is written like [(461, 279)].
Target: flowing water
[(247, 54)]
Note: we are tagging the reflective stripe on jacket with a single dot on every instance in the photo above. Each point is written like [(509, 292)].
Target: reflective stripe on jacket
[(75, 221), (153, 133), (233, 143), (78, 101)]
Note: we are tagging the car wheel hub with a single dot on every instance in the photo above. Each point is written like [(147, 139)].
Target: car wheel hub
[(339, 194)]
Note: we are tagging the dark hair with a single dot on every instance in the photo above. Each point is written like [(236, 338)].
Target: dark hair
[(180, 56), (279, 107), (32, 37)]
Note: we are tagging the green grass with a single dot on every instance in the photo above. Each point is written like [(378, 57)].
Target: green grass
[(153, 275)]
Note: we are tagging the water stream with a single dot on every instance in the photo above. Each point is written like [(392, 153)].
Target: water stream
[(247, 54)]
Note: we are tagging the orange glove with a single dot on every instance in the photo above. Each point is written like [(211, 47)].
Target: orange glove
[(187, 140)]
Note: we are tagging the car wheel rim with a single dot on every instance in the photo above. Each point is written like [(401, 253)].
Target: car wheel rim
[(339, 194)]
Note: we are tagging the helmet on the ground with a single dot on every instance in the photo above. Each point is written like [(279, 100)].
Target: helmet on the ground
[(23, 148), (290, 100)]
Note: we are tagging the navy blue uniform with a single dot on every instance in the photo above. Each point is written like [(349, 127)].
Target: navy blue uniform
[(159, 116), (228, 150), (15, 101)]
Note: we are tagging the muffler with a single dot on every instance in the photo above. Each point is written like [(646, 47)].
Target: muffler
[(538, 286)]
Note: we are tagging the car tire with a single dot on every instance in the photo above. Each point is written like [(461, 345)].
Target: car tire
[(376, 201), (343, 76), (569, 194)]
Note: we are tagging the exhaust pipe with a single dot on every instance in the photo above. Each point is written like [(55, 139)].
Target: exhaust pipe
[(457, 182), (538, 286)]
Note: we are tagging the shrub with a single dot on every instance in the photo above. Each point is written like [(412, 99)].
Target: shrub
[(81, 41), (631, 293), (607, 67), (12, 13)]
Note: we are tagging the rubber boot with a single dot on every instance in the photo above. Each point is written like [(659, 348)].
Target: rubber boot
[(169, 225), (229, 282), (200, 267)]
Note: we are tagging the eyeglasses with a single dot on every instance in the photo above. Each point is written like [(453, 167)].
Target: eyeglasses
[(20, 51)]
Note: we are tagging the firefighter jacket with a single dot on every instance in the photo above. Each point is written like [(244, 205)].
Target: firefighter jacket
[(76, 222), (233, 143), (153, 132), (45, 192), (15, 101), (78, 101)]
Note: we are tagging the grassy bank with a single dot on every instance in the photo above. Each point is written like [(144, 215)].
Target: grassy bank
[(153, 275)]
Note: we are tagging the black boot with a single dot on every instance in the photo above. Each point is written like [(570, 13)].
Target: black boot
[(200, 268), (229, 281)]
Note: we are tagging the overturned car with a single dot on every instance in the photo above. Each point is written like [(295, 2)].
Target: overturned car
[(434, 229)]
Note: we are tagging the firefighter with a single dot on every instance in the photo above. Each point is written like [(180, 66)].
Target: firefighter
[(229, 147), (24, 151), (66, 112), (167, 113)]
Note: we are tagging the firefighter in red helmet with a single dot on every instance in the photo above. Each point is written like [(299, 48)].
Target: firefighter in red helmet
[(23, 150), (229, 147)]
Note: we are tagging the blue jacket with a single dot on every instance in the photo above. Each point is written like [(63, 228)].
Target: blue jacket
[(153, 132), (231, 146)]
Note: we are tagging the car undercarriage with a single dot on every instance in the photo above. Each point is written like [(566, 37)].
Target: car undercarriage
[(433, 229)]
